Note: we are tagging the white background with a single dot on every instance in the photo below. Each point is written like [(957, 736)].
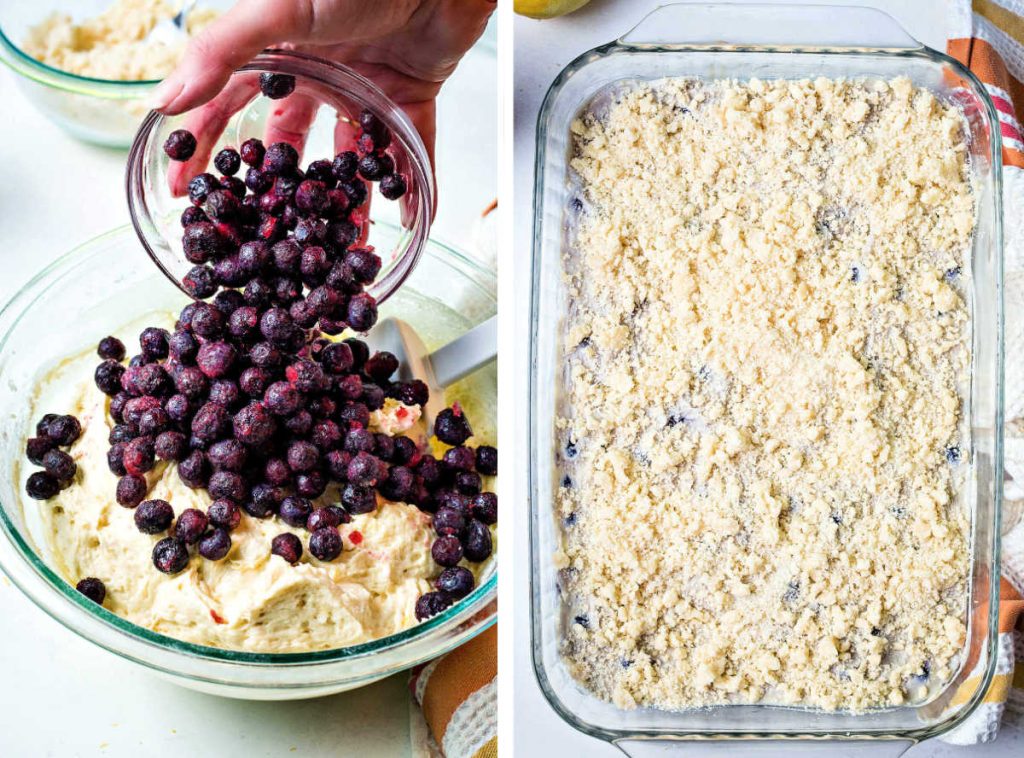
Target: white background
[(542, 50), (61, 696)]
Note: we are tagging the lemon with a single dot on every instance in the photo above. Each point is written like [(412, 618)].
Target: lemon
[(547, 8)]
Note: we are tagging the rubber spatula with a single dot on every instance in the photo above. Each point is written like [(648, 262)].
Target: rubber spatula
[(441, 368)]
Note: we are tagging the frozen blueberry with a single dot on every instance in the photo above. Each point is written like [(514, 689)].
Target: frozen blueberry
[(276, 86), (64, 430), (337, 464), (365, 264), (325, 543), (487, 460), (392, 186), (42, 486), (452, 427), (477, 542), (328, 516), (380, 366), (406, 450), (201, 242), (215, 545), (446, 550), (364, 469), (303, 456), (311, 484), (485, 508), (200, 282), (153, 342), (281, 159), (399, 484), (384, 447), (359, 440), (211, 422), (449, 520), (153, 421), (180, 145), (459, 459), (432, 604), (194, 470), (183, 347), (412, 392), (170, 555), (215, 359), (171, 446), (111, 348), (191, 525), (295, 511), (224, 513), (193, 214), (467, 482), (228, 161), (153, 516), (114, 459), (345, 165), (457, 581), (282, 399), (375, 166), (299, 423), (358, 499), (225, 392), (356, 192), (227, 485), (60, 466), (139, 455), (108, 377), (227, 455), (288, 546), (306, 375), (93, 589), (311, 196), (336, 358), (201, 186), (37, 447), (252, 152)]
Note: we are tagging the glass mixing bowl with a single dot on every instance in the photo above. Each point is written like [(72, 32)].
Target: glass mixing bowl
[(333, 93), (96, 289), (101, 111)]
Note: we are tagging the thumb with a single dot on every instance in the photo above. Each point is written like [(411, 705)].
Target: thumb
[(227, 43)]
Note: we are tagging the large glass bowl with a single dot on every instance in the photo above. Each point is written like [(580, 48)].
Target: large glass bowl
[(103, 285), (101, 111)]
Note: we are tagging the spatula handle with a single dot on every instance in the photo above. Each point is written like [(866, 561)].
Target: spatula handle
[(461, 357)]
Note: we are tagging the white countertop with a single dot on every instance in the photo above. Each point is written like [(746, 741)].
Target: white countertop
[(542, 50), (62, 696)]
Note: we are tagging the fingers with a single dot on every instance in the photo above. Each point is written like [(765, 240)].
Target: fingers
[(424, 117), (224, 45), (207, 123), (290, 120)]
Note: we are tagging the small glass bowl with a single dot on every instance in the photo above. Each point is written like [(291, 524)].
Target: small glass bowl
[(100, 111), (95, 290), (337, 93)]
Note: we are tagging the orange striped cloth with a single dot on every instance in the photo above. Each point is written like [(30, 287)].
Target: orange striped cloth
[(987, 36), (459, 697)]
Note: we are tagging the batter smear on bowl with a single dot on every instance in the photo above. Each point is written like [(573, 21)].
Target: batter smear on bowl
[(763, 442)]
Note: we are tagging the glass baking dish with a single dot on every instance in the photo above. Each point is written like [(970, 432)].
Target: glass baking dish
[(768, 42)]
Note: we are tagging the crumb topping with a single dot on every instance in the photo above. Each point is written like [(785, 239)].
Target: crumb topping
[(767, 343)]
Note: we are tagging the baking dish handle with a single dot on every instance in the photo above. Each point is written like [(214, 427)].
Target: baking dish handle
[(765, 748), (790, 26)]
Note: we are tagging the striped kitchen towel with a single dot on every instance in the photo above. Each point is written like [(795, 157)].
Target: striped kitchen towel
[(458, 693), (987, 36)]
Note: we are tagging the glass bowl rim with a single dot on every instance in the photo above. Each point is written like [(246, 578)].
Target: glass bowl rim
[(461, 611)]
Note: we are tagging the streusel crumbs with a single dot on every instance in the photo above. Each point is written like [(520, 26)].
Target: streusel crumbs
[(766, 346)]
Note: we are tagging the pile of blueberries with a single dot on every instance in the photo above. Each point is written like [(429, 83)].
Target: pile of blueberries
[(249, 398)]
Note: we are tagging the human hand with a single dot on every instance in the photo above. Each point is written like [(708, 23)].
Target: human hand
[(408, 48)]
